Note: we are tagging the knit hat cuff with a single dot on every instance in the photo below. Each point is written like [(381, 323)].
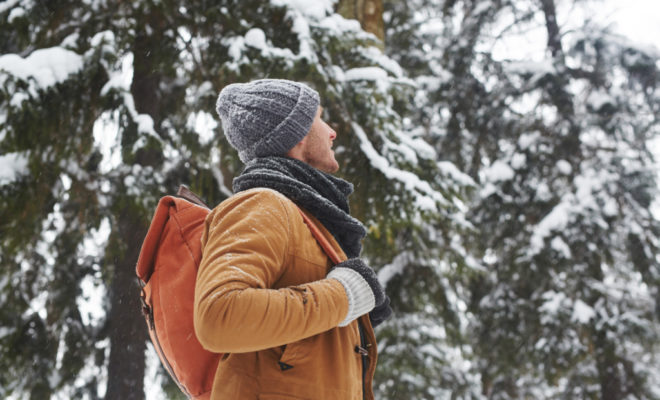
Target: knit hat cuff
[(291, 130)]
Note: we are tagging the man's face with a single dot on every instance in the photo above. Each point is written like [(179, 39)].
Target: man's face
[(317, 146)]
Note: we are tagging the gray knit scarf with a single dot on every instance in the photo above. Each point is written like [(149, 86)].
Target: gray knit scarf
[(323, 195)]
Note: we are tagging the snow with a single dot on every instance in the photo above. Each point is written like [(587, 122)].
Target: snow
[(519, 161), (217, 172), (5, 331), (556, 220), (610, 208), (306, 15), (12, 166), (315, 9), (153, 379), (564, 167), (204, 124), (553, 303), (106, 127), (236, 46), (46, 67), (589, 191), (599, 98), (301, 28), (449, 169), (425, 197), (70, 41), (582, 312), (366, 73), (376, 55), (8, 5), (530, 67), (145, 123), (561, 247), (432, 26), (338, 25), (396, 267), (527, 140), (93, 289), (655, 148), (498, 171), (419, 146), (107, 139), (15, 13), (303, 13), (255, 37)]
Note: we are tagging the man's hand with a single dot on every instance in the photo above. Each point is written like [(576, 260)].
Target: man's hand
[(381, 313), (362, 288)]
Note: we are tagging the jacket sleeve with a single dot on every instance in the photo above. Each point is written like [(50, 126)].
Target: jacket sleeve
[(245, 251)]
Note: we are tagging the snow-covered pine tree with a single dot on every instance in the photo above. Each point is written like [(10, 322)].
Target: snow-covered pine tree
[(93, 141), (553, 146), (48, 209), (559, 150), (572, 298)]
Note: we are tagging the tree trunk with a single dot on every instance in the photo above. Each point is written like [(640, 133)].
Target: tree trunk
[(368, 12), (128, 332), (557, 89), (552, 27), (127, 327)]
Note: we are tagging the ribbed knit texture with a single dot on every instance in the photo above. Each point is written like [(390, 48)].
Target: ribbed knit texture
[(361, 298), (266, 117)]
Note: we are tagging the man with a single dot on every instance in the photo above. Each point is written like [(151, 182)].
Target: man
[(294, 326)]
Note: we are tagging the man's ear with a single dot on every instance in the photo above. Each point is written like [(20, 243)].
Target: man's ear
[(297, 150)]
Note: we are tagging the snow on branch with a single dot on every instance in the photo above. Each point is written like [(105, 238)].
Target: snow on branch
[(429, 198), (12, 166), (42, 68), (120, 80), (582, 201)]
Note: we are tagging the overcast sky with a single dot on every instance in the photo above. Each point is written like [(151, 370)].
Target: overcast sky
[(637, 19)]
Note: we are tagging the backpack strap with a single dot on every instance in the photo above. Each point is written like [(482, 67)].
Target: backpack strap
[(189, 195), (318, 235)]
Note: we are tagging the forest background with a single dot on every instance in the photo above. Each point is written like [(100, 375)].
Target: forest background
[(500, 149)]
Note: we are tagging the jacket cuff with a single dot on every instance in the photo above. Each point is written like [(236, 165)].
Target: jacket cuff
[(361, 298)]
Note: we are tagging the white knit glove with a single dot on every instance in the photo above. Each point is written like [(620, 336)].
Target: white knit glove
[(363, 290)]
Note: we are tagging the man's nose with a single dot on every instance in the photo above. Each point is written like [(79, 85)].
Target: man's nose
[(333, 134)]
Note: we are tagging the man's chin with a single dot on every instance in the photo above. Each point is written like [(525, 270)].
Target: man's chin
[(329, 168), (334, 168)]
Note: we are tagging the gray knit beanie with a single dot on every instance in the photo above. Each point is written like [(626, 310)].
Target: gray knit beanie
[(266, 117)]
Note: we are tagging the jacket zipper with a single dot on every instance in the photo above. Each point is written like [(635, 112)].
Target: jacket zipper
[(149, 316)]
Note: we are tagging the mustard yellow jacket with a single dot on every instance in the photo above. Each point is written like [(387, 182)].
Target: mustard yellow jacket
[(261, 296)]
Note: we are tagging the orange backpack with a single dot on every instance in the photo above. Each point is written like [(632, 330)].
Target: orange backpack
[(167, 270)]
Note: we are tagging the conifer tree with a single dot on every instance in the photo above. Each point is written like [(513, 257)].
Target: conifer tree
[(508, 201), (559, 153), (128, 117)]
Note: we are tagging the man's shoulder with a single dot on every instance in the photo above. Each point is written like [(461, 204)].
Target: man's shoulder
[(257, 195), (254, 201)]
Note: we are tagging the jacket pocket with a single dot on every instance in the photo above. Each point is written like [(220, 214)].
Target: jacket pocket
[(296, 353)]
